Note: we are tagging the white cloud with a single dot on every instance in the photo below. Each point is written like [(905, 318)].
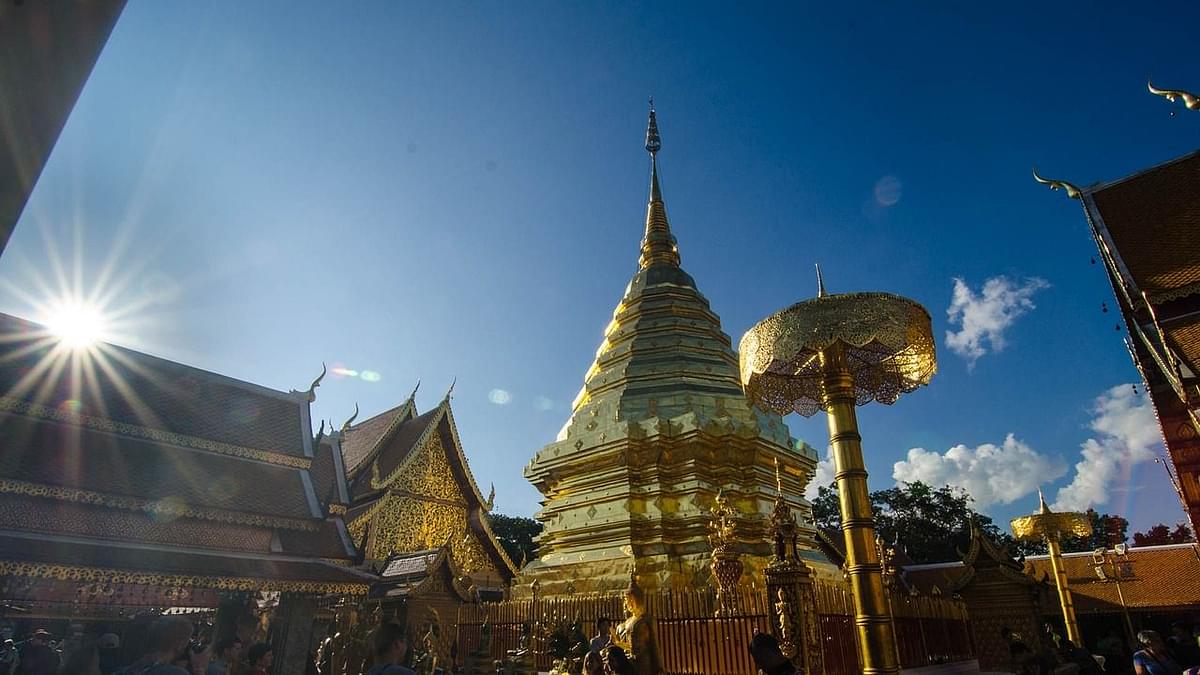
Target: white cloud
[(1128, 434), (823, 475), (983, 317), (990, 473), (500, 397)]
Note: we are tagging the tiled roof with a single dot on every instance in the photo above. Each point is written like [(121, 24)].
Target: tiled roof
[(1161, 577), (1153, 218), (925, 577), (417, 563), (395, 449), (137, 389), (82, 459), (324, 475), (359, 440)]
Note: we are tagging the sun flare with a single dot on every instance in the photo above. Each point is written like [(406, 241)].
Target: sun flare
[(76, 325)]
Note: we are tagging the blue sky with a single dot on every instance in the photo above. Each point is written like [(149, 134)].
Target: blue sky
[(458, 190)]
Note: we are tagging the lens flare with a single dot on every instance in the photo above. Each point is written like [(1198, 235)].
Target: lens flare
[(76, 325)]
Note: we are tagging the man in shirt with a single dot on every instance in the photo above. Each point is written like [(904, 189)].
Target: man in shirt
[(603, 635)]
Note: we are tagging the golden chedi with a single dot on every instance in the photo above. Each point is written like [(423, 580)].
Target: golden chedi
[(659, 428)]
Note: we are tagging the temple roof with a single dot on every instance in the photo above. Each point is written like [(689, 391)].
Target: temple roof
[(1159, 577), (125, 461), (148, 396), (1153, 218), (361, 440)]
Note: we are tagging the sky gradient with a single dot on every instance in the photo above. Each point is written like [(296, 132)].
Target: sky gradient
[(458, 190)]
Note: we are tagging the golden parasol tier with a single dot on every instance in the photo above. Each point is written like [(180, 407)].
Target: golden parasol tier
[(831, 353), (1052, 527)]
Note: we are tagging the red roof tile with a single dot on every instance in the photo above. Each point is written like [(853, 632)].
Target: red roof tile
[(1160, 577)]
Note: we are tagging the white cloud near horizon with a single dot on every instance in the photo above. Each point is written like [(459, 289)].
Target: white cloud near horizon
[(823, 475), (991, 474), (1127, 434), (983, 317)]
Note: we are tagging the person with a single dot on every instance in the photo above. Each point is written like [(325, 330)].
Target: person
[(8, 657), (593, 663), (768, 657), (1073, 654), (225, 652), (1183, 646), (260, 658), (37, 657), (389, 646), (603, 635), (616, 662), (1153, 658), (109, 647), (167, 639), (83, 660)]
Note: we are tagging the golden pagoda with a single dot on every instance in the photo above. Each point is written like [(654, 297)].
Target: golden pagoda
[(659, 428)]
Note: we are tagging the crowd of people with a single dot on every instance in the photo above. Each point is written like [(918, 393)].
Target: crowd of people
[(1179, 654), (172, 647)]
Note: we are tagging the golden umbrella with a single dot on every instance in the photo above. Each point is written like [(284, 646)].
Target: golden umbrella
[(1052, 527), (831, 353)]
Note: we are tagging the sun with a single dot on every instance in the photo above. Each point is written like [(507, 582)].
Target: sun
[(77, 325)]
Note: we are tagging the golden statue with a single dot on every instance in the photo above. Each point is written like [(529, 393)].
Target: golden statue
[(636, 635)]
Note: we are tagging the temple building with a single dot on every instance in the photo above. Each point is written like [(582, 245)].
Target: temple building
[(1145, 227), (659, 428), (410, 491), (130, 483)]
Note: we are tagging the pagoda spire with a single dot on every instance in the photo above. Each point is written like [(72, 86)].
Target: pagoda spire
[(658, 245)]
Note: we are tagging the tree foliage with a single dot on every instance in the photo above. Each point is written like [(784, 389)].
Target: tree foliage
[(1162, 534), (516, 534), (932, 524)]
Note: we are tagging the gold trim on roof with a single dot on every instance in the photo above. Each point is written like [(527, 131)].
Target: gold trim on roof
[(21, 407), (93, 574), (163, 507)]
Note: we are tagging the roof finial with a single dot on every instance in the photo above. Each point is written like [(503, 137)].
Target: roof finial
[(312, 388), (658, 246), (820, 283), (347, 423), (413, 395), (1042, 499), (450, 390)]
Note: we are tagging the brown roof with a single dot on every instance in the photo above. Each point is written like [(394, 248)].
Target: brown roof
[(65, 456), (137, 389), (359, 440), (395, 449), (1160, 577), (174, 561), (416, 563), (1154, 219), (925, 577), (325, 477)]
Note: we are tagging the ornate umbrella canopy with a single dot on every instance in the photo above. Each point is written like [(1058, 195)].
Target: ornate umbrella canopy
[(1046, 524), (887, 342)]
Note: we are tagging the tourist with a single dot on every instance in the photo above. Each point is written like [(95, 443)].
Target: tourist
[(1183, 646), (1153, 658), (225, 653), (1072, 654), (615, 661), (390, 647), (37, 657), (109, 646), (260, 658), (768, 657), (593, 664), (8, 657), (603, 635), (167, 641), (83, 660)]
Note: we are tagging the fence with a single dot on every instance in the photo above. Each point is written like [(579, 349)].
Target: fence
[(929, 629)]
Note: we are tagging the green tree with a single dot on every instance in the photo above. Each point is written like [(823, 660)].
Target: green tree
[(1107, 531), (516, 534), (1162, 534)]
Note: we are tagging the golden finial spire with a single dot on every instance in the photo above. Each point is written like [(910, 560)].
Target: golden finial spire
[(820, 283), (1042, 499), (658, 246)]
